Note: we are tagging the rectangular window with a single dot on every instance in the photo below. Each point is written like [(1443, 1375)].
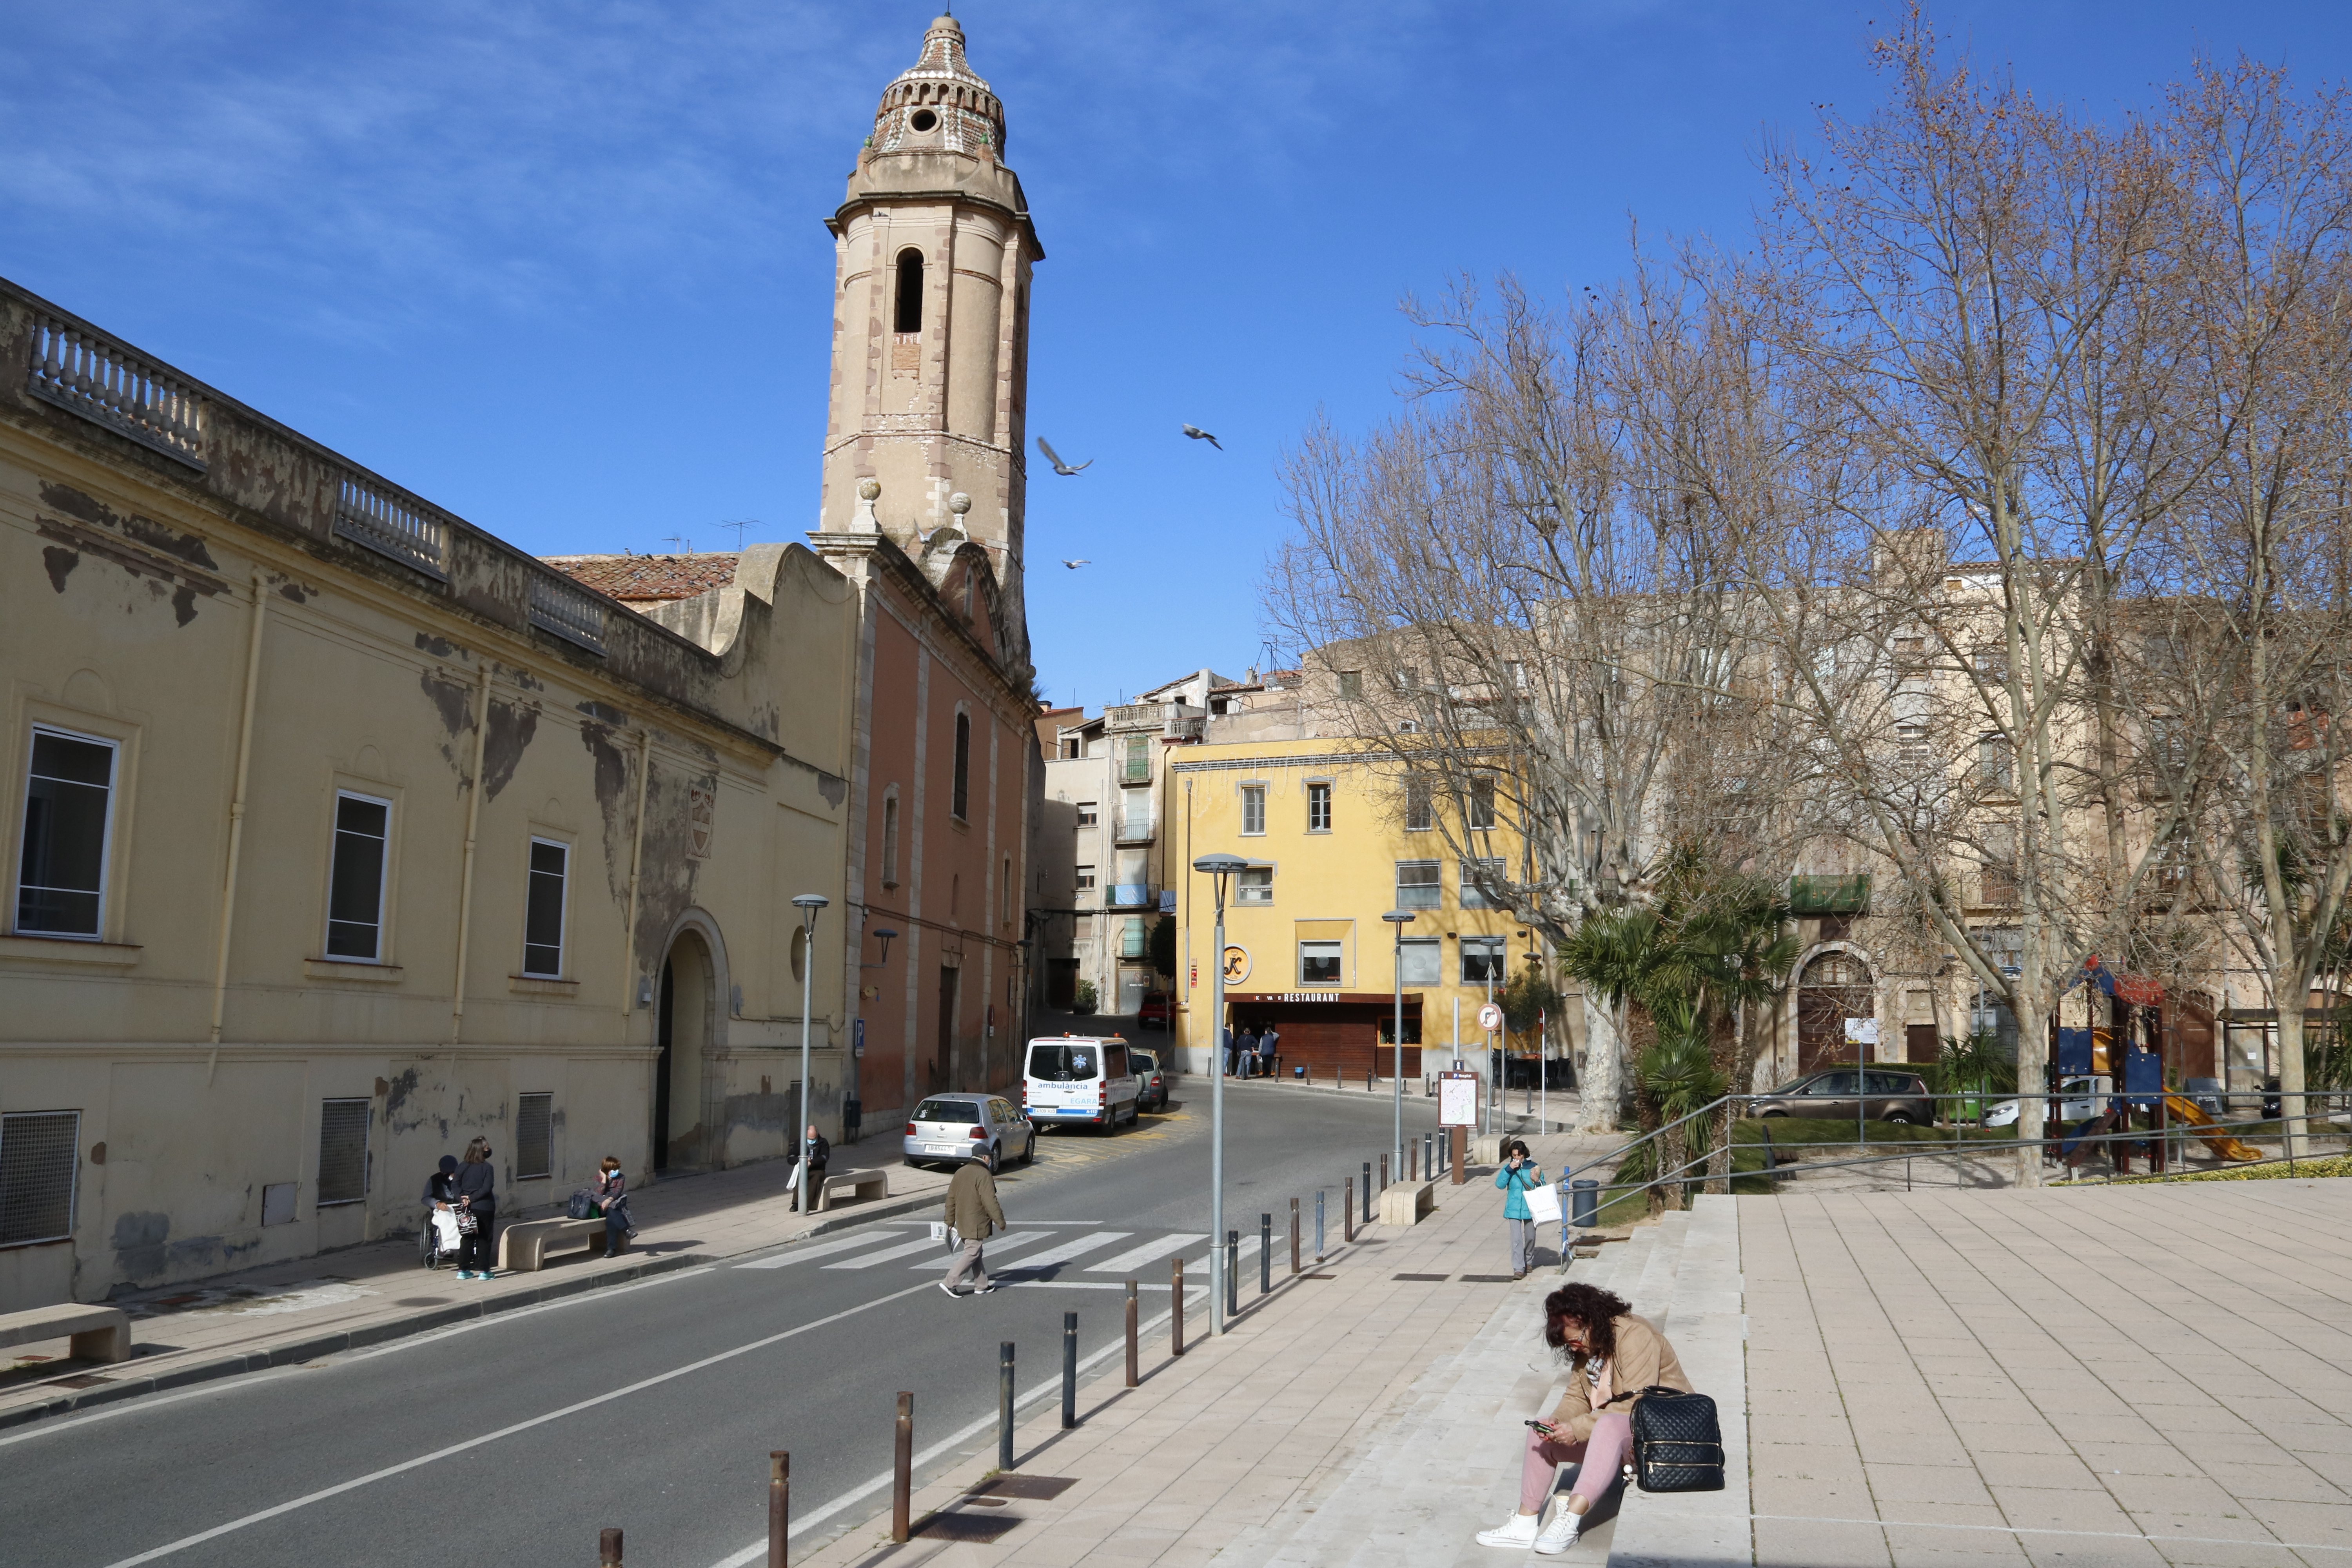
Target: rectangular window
[(1351, 684), (1998, 884), (1254, 886), (1318, 808), (1422, 962), (1996, 766), (1087, 814), (61, 864), (355, 883), (1482, 959), (1471, 898), (890, 841), (1418, 885), (1086, 879), (1478, 809), (39, 1159), (1130, 938), (1134, 814), (1515, 674), (534, 1137), (1319, 963), (543, 920), (1253, 810), (1004, 893), (1137, 768), (343, 1151), (963, 766), (1420, 815)]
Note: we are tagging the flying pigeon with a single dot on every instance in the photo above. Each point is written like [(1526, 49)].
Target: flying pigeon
[(1074, 565), (1198, 434), (1056, 458)]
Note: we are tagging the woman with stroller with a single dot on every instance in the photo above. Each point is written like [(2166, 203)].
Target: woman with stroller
[(1615, 1358), (612, 1194), (476, 1185)]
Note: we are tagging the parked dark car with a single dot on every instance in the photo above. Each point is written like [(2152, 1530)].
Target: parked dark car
[(1154, 1012), (1896, 1096), (1152, 1076)]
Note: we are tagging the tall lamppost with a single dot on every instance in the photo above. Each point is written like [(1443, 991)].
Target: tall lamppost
[(808, 904), (1219, 869), (1398, 920)]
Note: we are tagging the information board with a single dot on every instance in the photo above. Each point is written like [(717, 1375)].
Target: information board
[(1457, 1099)]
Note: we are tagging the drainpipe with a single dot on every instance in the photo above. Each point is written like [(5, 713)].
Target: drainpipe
[(466, 875), (636, 856), (237, 816)]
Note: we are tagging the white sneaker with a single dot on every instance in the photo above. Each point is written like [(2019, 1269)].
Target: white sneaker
[(1518, 1534), (1561, 1533)]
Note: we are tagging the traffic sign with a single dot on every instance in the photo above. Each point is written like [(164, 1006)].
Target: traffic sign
[(1490, 1017)]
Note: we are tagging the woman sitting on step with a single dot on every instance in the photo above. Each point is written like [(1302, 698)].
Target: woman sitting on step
[(1615, 1356)]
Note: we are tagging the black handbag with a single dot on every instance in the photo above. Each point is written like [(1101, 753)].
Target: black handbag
[(1677, 1444)]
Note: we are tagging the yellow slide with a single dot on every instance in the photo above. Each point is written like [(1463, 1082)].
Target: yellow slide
[(2221, 1144)]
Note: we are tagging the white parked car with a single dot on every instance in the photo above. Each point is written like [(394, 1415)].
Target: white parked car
[(1083, 1079), (969, 1129), (2078, 1100)]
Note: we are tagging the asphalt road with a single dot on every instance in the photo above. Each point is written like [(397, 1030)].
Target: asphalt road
[(654, 1406)]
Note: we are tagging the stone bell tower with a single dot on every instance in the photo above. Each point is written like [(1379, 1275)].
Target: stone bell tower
[(930, 329)]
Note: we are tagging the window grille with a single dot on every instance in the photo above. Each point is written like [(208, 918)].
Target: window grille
[(343, 1151), (107, 385), (38, 1165), (534, 1136), (559, 605), (393, 526)]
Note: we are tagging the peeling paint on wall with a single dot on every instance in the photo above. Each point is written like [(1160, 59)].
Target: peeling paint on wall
[(513, 725), (612, 803), (60, 564)]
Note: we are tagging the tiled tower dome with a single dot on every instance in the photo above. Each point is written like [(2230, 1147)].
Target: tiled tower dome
[(940, 102)]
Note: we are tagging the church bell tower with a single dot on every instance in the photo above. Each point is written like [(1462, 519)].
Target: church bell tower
[(930, 329)]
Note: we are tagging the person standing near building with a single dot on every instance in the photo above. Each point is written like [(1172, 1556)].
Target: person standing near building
[(1265, 1043), (974, 1215), (476, 1185), (1245, 1051), (1519, 1173)]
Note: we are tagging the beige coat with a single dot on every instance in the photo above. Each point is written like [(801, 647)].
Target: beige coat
[(973, 1213), (1643, 1359)]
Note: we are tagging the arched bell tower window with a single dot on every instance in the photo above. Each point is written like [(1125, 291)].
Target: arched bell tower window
[(910, 314)]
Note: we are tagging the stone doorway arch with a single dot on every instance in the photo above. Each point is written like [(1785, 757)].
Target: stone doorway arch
[(1834, 985), (690, 1025)]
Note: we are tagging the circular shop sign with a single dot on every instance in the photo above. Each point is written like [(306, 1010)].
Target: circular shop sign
[(1237, 963)]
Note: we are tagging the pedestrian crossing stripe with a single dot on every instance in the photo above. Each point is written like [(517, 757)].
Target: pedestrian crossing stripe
[(822, 1249), (920, 1243), (996, 1245), (1150, 1252), (874, 1248)]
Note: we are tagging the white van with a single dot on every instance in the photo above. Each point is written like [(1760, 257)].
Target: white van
[(1079, 1078)]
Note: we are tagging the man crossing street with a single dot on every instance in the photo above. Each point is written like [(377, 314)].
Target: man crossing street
[(974, 1215)]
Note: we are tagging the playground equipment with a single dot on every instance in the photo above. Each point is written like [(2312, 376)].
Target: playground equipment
[(2130, 1048), (2188, 1112)]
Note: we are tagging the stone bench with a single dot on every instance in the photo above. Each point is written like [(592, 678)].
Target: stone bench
[(1407, 1202), (524, 1246), (856, 1183), (94, 1333)]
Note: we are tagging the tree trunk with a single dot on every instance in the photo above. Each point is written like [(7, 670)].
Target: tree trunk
[(1602, 1084)]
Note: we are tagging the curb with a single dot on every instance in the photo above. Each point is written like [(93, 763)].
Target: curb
[(390, 1329)]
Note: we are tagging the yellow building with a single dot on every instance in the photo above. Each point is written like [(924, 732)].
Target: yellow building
[(1335, 838)]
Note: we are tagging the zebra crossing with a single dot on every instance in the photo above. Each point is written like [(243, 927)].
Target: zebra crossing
[(1075, 1246)]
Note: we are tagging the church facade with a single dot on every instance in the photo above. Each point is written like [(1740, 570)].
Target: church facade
[(341, 831)]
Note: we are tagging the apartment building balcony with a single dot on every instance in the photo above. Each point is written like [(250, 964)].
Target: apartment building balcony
[(1130, 896), (1135, 829), (1173, 718)]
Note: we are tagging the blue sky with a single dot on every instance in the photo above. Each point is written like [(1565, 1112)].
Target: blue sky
[(562, 267)]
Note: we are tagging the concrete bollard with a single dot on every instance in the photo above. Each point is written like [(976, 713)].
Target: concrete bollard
[(902, 1470), (780, 1506)]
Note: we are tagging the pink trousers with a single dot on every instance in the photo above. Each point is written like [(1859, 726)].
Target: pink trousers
[(1597, 1462)]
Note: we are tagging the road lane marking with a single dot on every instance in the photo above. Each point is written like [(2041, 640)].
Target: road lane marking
[(994, 1247), (1150, 1251), (822, 1249), (452, 1449), (920, 1243), (1070, 1249)]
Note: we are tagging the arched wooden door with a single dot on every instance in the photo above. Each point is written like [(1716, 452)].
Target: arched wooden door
[(1834, 987)]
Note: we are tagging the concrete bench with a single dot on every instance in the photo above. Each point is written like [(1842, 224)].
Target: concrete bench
[(856, 1183), (95, 1333), (1407, 1202), (524, 1246)]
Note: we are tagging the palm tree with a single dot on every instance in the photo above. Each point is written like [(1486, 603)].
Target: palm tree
[(1743, 942)]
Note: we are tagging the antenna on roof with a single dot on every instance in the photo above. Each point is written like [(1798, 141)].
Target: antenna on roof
[(738, 525), (684, 546)]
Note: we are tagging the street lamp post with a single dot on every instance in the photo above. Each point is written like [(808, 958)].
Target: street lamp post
[(1219, 869), (1398, 920), (808, 904)]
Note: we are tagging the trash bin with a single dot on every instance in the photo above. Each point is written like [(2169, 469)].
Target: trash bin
[(1585, 1203), (852, 1112), (1298, 1071)]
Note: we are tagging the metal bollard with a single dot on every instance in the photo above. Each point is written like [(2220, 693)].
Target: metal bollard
[(1294, 1236), (779, 1505), (1348, 1209), (1175, 1306), (902, 1470), (608, 1548), (1384, 1172), (1134, 1367), (1319, 1227), (1367, 1218), (1265, 1252), (1428, 1153), (1584, 1202), (1005, 1406), (1069, 1371), (1233, 1275)]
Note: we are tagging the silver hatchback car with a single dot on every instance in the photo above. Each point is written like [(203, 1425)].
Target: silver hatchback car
[(968, 1129)]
